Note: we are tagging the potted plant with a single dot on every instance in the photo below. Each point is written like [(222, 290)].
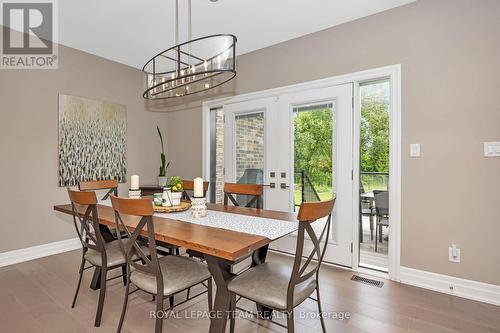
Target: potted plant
[(176, 189), (162, 176)]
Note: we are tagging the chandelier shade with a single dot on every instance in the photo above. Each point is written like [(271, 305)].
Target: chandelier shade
[(191, 67)]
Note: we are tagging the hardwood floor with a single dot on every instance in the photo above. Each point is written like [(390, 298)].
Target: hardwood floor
[(36, 296)]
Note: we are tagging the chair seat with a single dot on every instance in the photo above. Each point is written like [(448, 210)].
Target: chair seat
[(178, 272), (267, 284), (114, 254)]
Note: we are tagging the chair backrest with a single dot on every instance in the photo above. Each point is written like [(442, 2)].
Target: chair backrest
[(254, 191), (110, 185), (310, 212), (381, 202), (88, 222), (143, 209), (188, 185)]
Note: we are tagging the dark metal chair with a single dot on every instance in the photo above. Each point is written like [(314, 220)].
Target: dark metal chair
[(283, 287), (98, 252), (161, 277), (250, 176), (365, 209), (188, 185), (253, 191), (382, 214)]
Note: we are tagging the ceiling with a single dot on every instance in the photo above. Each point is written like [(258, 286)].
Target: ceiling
[(131, 31)]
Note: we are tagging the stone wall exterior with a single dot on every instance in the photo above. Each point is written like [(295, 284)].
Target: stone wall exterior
[(249, 131), (219, 159), (249, 139)]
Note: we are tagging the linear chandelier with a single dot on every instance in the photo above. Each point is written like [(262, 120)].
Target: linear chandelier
[(191, 67)]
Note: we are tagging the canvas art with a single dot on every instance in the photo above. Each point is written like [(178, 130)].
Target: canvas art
[(92, 140)]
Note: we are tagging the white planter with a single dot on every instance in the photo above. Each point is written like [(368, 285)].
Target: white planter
[(162, 181), (176, 198)]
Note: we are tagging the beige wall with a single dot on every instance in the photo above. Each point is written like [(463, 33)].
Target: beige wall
[(449, 51), (28, 140)]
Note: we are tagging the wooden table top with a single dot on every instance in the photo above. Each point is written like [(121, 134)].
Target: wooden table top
[(221, 243)]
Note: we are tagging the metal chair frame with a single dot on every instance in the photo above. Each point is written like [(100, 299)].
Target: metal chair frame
[(96, 242), (298, 272), (149, 265)]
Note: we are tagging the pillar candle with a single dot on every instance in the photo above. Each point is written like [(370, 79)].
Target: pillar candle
[(134, 182), (198, 187)]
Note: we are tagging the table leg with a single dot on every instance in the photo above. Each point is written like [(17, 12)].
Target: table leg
[(259, 257), (221, 272)]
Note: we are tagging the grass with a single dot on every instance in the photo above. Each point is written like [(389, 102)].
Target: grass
[(325, 193)]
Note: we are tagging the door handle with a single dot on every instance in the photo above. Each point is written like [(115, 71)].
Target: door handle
[(284, 186), (271, 185)]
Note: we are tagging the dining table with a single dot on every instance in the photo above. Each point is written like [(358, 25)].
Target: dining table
[(226, 236)]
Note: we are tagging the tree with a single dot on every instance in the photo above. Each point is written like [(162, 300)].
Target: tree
[(313, 143), (374, 140)]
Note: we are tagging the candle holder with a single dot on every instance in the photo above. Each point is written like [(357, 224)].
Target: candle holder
[(134, 194), (198, 207)]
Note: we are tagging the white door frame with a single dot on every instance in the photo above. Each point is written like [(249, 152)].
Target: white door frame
[(394, 74)]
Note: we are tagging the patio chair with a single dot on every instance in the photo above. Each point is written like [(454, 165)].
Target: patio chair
[(382, 214)]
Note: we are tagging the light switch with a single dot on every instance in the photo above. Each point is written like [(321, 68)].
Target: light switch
[(492, 149), (415, 150)]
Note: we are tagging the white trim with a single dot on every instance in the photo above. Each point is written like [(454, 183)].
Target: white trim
[(395, 176), (394, 73), (206, 143), (367, 75), (39, 251), (478, 291)]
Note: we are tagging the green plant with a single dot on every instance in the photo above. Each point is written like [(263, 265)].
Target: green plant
[(175, 184), (164, 166)]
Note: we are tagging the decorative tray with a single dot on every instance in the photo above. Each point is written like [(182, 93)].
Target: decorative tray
[(185, 205)]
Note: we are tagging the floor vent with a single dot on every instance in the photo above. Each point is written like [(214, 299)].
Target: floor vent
[(370, 282)]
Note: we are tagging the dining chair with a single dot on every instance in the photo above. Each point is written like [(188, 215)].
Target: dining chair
[(365, 209), (99, 185), (253, 192), (162, 277), (188, 185), (110, 185), (281, 286), (382, 214), (99, 253)]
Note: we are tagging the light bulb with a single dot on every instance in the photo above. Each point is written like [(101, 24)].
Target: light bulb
[(207, 85)]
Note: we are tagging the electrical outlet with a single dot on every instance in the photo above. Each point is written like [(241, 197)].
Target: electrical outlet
[(454, 253)]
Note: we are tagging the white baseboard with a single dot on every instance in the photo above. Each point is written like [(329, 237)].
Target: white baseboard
[(34, 252), (478, 291)]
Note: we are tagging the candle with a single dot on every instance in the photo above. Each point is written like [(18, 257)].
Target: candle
[(198, 187), (134, 182)]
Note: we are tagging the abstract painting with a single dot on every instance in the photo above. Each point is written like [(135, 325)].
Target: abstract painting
[(92, 140)]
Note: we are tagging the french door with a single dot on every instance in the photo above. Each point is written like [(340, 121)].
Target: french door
[(262, 144)]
